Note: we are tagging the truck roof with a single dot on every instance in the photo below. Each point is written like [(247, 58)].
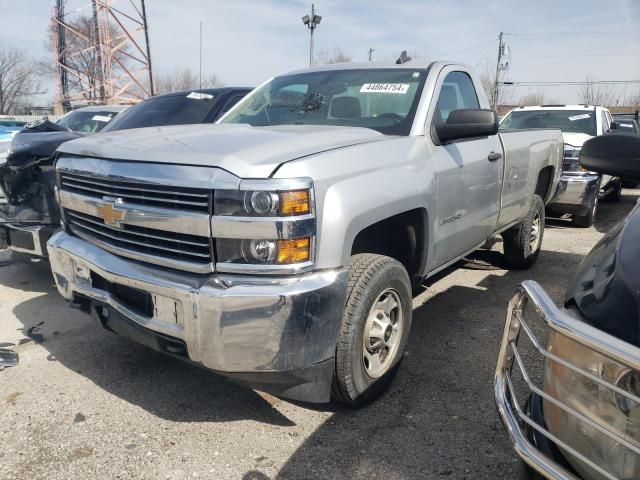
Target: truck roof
[(412, 64), (558, 107)]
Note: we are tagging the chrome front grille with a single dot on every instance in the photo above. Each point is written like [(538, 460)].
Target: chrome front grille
[(186, 199), (147, 241), (165, 224)]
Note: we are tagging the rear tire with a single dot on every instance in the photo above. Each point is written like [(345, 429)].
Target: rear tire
[(586, 221), (375, 328), (523, 242)]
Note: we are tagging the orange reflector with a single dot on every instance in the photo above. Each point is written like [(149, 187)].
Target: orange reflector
[(294, 251), (295, 203)]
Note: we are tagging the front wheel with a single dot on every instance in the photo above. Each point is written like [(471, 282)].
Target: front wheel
[(523, 242), (375, 328)]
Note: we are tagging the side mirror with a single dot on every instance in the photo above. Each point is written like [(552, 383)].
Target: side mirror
[(463, 124), (617, 155), (614, 126)]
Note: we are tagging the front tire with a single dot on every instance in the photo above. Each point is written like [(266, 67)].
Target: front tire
[(523, 242), (375, 328)]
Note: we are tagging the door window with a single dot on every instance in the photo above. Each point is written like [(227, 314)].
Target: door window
[(457, 93)]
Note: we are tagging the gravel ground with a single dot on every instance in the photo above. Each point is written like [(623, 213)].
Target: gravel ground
[(84, 403)]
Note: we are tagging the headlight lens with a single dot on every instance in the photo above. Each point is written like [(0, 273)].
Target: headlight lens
[(604, 406), (262, 203), (264, 252)]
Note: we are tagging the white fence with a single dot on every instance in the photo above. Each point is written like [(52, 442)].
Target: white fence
[(29, 118)]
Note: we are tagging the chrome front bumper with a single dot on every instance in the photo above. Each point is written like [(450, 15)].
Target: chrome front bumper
[(517, 422), (276, 334), (576, 193)]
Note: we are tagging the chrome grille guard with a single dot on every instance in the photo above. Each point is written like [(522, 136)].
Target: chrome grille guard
[(513, 415)]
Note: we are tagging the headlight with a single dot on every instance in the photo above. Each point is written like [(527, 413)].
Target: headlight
[(256, 203), (571, 161), (266, 224), (613, 411)]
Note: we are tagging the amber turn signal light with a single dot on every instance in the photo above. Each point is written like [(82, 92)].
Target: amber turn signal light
[(297, 202), (294, 251)]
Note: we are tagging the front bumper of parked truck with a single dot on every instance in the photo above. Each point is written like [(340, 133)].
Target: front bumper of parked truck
[(276, 334), (576, 194)]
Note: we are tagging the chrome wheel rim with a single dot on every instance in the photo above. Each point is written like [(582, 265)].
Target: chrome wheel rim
[(382, 334), (536, 230)]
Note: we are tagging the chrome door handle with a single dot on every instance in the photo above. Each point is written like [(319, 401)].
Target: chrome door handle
[(493, 156)]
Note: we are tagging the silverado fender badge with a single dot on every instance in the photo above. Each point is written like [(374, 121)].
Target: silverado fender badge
[(444, 221), (111, 215)]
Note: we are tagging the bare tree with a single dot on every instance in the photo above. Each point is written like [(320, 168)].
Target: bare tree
[(18, 79), (535, 98), (183, 79), (338, 56), (593, 93)]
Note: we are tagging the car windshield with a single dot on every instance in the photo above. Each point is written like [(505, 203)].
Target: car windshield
[(87, 122), (569, 121), (170, 110), (381, 99)]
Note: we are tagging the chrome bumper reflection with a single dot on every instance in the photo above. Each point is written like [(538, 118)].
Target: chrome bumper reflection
[(514, 418), (229, 323), (576, 193)]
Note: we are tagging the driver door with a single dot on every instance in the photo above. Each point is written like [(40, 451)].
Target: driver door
[(468, 175)]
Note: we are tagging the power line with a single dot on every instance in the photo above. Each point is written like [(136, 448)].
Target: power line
[(585, 82), (575, 32), (582, 55)]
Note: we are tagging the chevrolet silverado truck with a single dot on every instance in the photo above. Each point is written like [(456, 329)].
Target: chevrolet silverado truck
[(280, 246), (579, 190)]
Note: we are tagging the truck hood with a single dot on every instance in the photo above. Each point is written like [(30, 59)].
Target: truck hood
[(245, 151), (575, 139)]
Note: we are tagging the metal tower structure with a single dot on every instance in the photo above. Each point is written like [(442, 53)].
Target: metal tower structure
[(101, 50)]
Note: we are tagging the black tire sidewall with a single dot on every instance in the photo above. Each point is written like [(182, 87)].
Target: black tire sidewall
[(391, 275)]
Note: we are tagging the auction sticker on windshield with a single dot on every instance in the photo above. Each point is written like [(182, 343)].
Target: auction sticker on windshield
[(401, 88), (101, 118), (583, 116)]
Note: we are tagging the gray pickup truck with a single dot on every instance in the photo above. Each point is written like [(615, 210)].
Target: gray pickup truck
[(280, 246)]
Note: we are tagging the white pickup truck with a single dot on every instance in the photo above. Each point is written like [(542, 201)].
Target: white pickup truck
[(579, 190), (280, 246)]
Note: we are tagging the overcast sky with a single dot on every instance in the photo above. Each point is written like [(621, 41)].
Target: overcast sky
[(247, 41)]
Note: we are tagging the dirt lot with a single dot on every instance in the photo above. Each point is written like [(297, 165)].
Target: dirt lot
[(84, 403)]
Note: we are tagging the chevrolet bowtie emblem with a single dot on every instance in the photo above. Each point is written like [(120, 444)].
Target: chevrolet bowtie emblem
[(110, 214)]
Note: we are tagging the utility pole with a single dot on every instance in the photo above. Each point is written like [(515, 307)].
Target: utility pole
[(200, 65), (145, 26), (496, 85), (371, 50), (311, 21)]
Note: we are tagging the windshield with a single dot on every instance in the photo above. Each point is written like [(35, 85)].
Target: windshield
[(172, 110), (88, 122), (384, 100), (569, 121)]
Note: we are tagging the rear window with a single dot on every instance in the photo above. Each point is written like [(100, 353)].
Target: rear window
[(573, 121), (174, 110)]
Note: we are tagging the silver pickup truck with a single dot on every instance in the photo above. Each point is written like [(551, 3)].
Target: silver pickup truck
[(280, 247)]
